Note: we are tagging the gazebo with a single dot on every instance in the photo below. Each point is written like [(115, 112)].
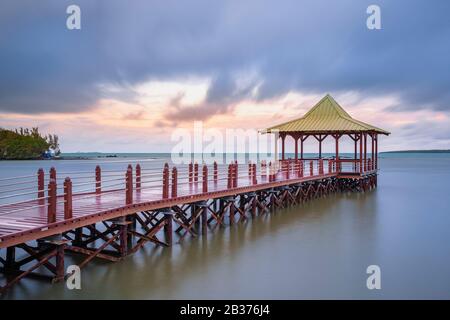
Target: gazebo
[(328, 119)]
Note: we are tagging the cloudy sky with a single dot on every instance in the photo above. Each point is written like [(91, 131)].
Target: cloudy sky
[(138, 69)]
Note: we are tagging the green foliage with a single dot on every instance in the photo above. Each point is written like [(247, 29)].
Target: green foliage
[(24, 144)]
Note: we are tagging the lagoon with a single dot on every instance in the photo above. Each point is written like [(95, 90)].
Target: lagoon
[(320, 249)]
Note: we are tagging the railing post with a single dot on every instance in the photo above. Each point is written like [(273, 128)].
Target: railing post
[(196, 172), (41, 185), (249, 170), (174, 182), (67, 199), (52, 176), (138, 177), (254, 174), (129, 186), (165, 186), (311, 168), (320, 166), (236, 173), (98, 180), (205, 178), (190, 173), (263, 169), (288, 168), (215, 172), (270, 172), (229, 181), (51, 209), (330, 166), (52, 173)]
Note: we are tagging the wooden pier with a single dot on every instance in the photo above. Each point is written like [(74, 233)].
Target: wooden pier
[(109, 214)]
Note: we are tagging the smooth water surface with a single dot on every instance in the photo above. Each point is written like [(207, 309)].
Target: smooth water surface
[(317, 250)]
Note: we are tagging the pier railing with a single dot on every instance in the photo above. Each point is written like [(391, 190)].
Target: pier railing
[(61, 195)]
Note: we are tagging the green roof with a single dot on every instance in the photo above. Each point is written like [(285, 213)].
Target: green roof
[(326, 116)]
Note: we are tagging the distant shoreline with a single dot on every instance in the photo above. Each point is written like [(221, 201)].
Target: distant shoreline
[(419, 151)]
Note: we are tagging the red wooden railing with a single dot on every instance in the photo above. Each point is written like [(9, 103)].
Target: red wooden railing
[(33, 193)]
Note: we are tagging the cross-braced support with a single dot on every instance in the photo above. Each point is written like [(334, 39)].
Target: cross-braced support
[(48, 253)]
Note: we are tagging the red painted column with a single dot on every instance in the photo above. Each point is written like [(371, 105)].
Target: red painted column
[(190, 173), (365, 151), (301, 147), (53, 173), (235, 174), (376, 151), (287, 169), (296, 147), (283, 138), (270, 172), (300, 168), (174, 182), (129, 186), (320, 146), (165, 186), (338, 166), (205, 178), (263, 169), (51, 208), (67, 199), (372, 152), (254, 174), (360, 153), (98, 180), (138, 177), (215, 172), (196, 172), (311, 168), (229, 181), (41, 186)]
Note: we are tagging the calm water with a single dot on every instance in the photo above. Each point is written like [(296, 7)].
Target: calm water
[(317, 250)]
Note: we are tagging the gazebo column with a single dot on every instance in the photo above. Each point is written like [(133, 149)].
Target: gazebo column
[(336, 138), (376, 151), (372, 157), (320, 148), (365, 151), (302, 139), (320, 138), (355, 138), (360, 153), (283, 138), (296, 137)]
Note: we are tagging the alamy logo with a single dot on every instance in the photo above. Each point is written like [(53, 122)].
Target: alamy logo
[(73, 21), (374, 20), (374, 280), (73, 277)]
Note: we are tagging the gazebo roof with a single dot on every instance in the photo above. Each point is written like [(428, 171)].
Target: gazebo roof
[(327, 116)]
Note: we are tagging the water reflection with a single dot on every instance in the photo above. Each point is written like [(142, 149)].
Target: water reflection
[(319, 249)]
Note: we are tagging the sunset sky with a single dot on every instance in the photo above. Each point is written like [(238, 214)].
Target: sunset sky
[(139, 69)]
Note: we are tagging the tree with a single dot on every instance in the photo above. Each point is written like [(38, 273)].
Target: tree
[(26, 144)]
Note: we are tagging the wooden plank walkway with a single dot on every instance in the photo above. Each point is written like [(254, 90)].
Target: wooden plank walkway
[(119, 194)]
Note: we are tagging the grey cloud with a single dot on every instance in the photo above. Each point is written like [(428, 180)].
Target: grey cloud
[(310, 46)]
